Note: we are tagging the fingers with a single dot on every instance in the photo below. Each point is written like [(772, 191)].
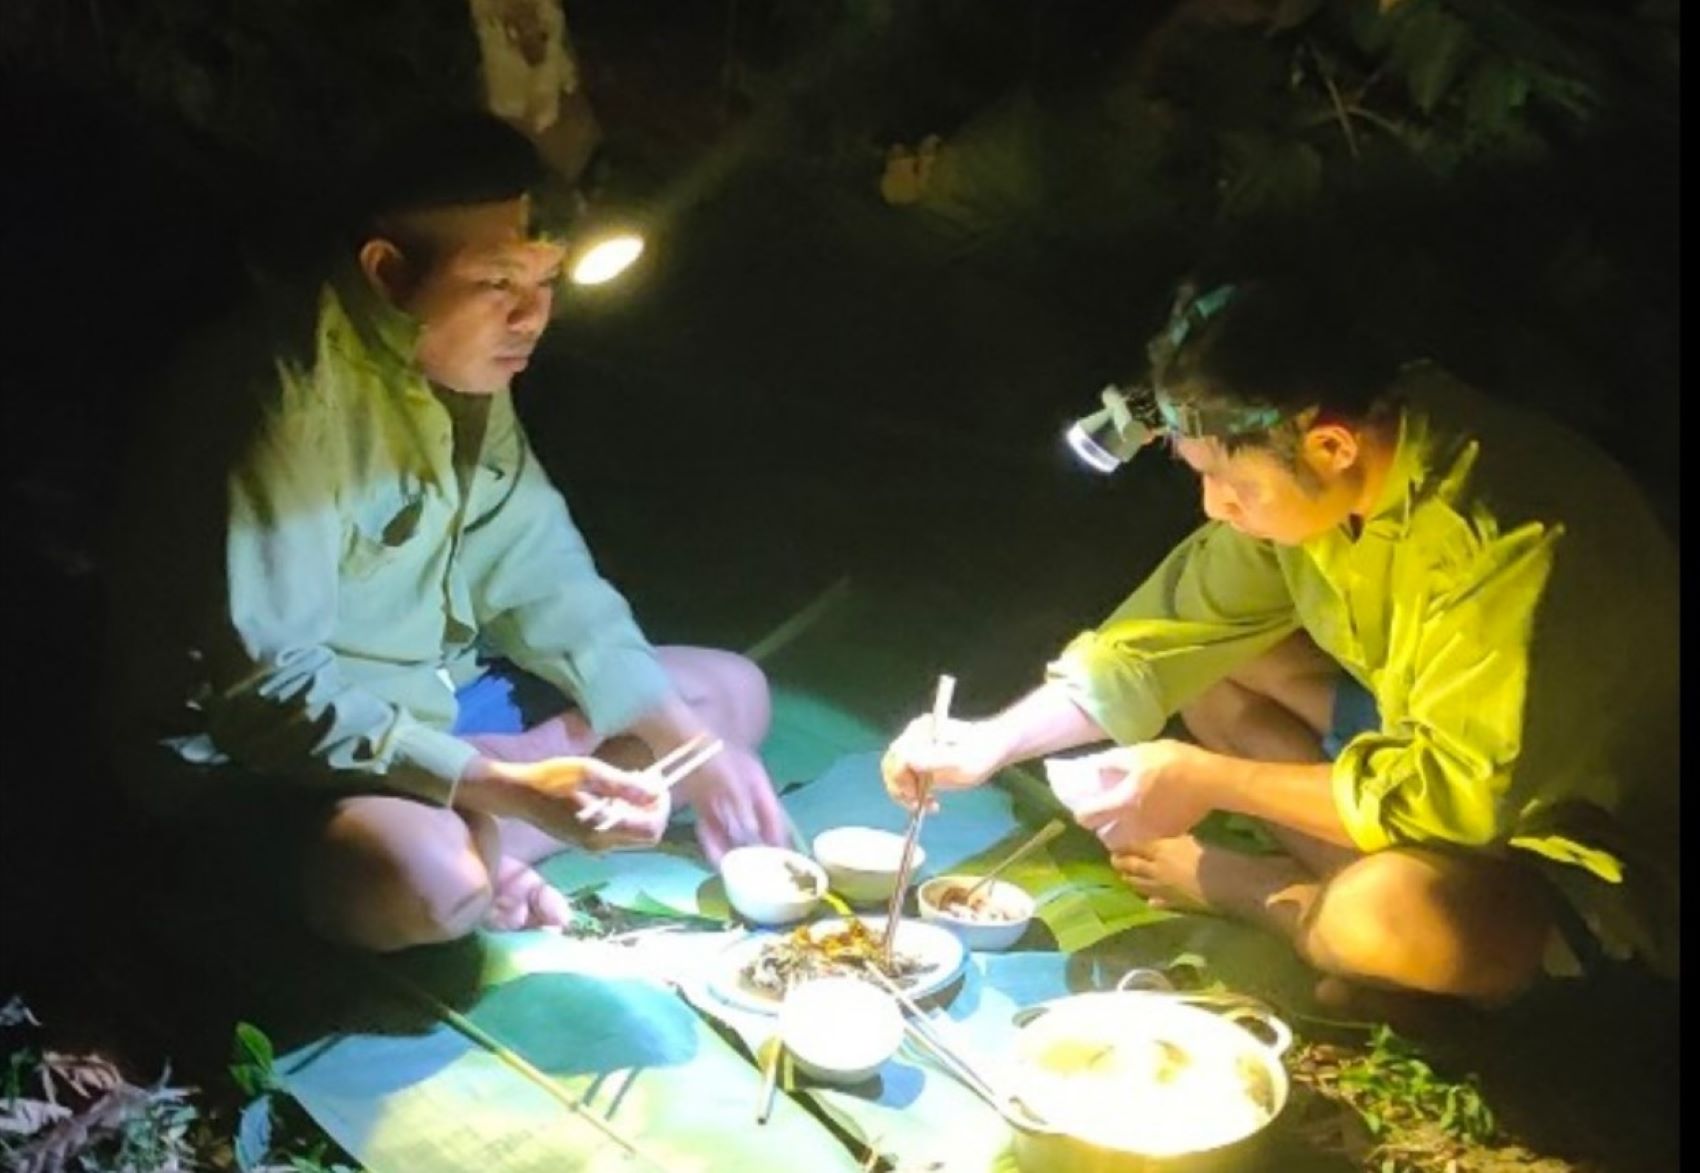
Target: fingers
[(770, 820), (606, 781), (713, 840)]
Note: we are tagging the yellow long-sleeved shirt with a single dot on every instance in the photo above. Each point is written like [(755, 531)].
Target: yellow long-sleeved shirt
[(361, 556), (1511, 603)]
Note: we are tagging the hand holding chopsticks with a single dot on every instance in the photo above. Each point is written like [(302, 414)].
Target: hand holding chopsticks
[(940, 714), (660, 777)]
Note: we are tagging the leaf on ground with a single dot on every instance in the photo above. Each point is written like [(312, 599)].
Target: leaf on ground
[(87, 1075), (253, 1062), (15, 1013), (254, 1134), (21, 1117)]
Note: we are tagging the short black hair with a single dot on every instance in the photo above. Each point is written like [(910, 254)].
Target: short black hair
[(446, 158), (1282, 343)]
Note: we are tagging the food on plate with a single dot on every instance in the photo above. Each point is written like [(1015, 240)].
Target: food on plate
[(806, 953)]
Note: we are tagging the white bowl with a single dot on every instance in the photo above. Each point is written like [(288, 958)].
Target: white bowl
[(978, 932), (770, 885), (840, 1029), (862, 862)]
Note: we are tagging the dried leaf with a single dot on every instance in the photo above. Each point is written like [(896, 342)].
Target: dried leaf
[(21, 1117), (15, 1013), (87, 1075)]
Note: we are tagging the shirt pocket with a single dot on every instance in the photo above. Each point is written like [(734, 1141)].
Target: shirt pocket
[(381, 528)]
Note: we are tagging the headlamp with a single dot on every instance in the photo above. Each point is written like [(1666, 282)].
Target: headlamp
[(1130, 418)]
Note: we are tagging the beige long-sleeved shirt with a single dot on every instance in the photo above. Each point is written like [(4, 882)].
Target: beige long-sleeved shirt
[(365, 554)]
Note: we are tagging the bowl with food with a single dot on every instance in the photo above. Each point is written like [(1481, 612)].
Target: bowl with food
[(840, 1029), (988, 919), (770, 885), (862, 862)]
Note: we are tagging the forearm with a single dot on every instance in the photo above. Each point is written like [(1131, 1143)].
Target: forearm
[(1045, 721), (485, 787), (667, 725), (1299, 796)]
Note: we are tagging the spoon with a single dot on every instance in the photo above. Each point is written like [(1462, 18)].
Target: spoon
[(1041, 837)]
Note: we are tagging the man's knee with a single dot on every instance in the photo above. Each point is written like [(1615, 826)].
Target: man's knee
[(1437, 922), (1212, 716), (384, 887), (730, 688)]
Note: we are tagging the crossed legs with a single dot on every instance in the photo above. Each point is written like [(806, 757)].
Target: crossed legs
[(1463, 924), (386, 873)]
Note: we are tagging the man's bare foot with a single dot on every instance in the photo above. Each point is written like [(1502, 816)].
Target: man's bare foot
[(525, 900), (1165, 872), (1185, 874)]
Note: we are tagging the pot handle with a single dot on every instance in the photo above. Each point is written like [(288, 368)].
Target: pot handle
[(1282, 1034), (1154, 981)]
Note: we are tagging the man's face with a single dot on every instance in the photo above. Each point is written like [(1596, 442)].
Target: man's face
[(483, 300), (1262, 496)]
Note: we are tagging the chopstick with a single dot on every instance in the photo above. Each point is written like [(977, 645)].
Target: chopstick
[(769, 1079), (663, 774), (941, 713), (672, 769), (919, 1024), (1041, 837)]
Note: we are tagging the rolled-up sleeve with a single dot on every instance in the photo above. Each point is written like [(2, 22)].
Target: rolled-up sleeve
[(544, 605), (1441, 767), (1217, 601), (279, 702)]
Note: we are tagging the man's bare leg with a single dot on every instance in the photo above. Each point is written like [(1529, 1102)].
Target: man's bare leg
[(1459, 924), (387, 873)]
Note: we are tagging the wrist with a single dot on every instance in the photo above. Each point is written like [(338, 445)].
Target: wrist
[(486, 785), (1207, 774), (667, 726), (1003, 740)]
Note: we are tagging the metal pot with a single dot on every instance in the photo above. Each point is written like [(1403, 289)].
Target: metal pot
[(1145, 1081)]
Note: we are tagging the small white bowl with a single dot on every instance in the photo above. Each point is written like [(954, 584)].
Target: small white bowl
[(862, 862), (982, 935), (770, 885), (840, 1029)]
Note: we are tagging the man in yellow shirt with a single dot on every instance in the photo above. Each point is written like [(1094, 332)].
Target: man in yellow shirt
[(1428, 641), (360, 643)]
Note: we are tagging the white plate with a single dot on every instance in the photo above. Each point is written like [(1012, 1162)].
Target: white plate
[(936, 946)]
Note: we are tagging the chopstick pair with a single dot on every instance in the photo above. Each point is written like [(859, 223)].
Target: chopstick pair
[(662, 775), (920, 1025), (906, 865)]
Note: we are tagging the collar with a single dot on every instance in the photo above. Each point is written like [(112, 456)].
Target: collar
[(387, 335), (1397, 499)]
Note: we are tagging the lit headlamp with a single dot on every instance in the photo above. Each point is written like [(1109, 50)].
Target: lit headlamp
[(1132, 417)]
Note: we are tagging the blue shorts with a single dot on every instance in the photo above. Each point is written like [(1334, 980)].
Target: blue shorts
[(1355, 712), (506, 699)]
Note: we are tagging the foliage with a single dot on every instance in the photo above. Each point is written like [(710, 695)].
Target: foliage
[(64, 1111), (1412, 1119), (271, 1135), (78, 1112)]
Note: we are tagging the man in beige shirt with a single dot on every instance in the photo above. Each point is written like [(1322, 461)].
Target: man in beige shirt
[(359, 636)]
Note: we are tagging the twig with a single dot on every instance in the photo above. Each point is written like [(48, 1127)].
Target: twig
[(1334, 96)]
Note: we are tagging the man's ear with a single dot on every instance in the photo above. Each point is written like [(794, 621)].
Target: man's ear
[(386, 267), (1333, 447)]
